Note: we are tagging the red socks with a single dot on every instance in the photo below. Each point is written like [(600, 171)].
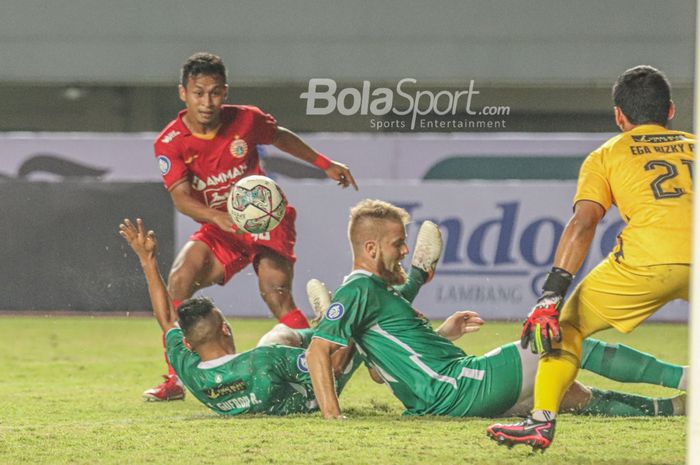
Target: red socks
[(295, 319)]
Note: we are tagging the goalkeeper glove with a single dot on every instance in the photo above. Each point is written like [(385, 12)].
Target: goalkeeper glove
[(542, 324), (428, 249)]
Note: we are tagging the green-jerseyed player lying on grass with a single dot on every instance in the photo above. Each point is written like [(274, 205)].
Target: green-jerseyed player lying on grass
[(423, 368), (271, 379)]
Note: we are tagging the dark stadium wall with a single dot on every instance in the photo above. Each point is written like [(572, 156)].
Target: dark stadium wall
[(137, 107), (62, 251)]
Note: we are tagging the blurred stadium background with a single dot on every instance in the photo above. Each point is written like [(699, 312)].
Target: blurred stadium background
[(86, 86)]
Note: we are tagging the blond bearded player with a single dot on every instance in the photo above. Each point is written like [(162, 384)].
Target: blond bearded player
[(427, 372), (201, 153)]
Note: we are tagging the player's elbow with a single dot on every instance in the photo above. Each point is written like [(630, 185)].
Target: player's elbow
[(315, 353), (586, 217), (179, 203), (282, 137), (582, 225)]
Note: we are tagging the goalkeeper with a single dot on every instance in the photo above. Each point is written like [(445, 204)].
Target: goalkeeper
[(423, 368), (646, 171)]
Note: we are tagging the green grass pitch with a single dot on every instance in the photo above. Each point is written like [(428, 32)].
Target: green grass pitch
[(70, 392)]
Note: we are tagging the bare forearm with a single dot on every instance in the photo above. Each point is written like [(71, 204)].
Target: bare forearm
[(194, 209), (573, 246), (443, 332), (160, 300), (321, 372), (289, 142)]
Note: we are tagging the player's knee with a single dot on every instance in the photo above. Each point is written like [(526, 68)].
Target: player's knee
[(278, 303), (571, 340), (271, 266), (274, 291), (181, 282), (280, 334)]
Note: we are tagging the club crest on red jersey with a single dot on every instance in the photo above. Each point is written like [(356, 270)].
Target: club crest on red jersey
[(238, 148), (163, 164)]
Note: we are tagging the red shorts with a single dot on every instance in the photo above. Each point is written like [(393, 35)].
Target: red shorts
[(236, 251)]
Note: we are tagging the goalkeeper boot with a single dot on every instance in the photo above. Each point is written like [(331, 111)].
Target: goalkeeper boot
[(530, 432), (428, 249), (170, 389), (319, 299)]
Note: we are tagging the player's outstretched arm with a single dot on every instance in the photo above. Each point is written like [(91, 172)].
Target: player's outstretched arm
[(542, 324), (318, 358), (578, 235), (289, 142), (145, 246), (186, 204), (459, 324)]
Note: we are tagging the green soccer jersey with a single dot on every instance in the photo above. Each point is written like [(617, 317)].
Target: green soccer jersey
[(428, 373), (269, 379)]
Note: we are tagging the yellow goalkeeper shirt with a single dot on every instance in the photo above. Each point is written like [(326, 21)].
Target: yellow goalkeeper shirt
[(647, 173)]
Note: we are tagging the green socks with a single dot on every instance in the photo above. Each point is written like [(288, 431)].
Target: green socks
[(416, 279), (625, 364), (619, 404)]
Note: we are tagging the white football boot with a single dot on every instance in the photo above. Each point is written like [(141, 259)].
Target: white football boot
[(428, 248), (319, 299)]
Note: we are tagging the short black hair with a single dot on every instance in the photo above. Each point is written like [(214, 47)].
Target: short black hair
[(204, 63), (643, 94), (191, 314)]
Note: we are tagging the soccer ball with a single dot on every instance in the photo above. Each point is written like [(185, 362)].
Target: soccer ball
[(256, 204)]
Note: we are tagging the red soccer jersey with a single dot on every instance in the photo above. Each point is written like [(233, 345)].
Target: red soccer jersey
[(213, 164)]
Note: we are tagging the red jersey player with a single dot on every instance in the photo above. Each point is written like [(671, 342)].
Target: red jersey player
[(207, 148)]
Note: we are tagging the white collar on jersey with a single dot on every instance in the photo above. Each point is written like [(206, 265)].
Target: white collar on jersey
[(217, 362), (354, 272)]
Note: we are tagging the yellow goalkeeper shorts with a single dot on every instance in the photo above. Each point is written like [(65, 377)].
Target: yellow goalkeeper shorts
[(624, 296)]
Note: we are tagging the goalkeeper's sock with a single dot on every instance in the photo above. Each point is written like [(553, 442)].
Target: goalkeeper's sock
[(620, 404), (295, 319), (625, 364), (555, 373)]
